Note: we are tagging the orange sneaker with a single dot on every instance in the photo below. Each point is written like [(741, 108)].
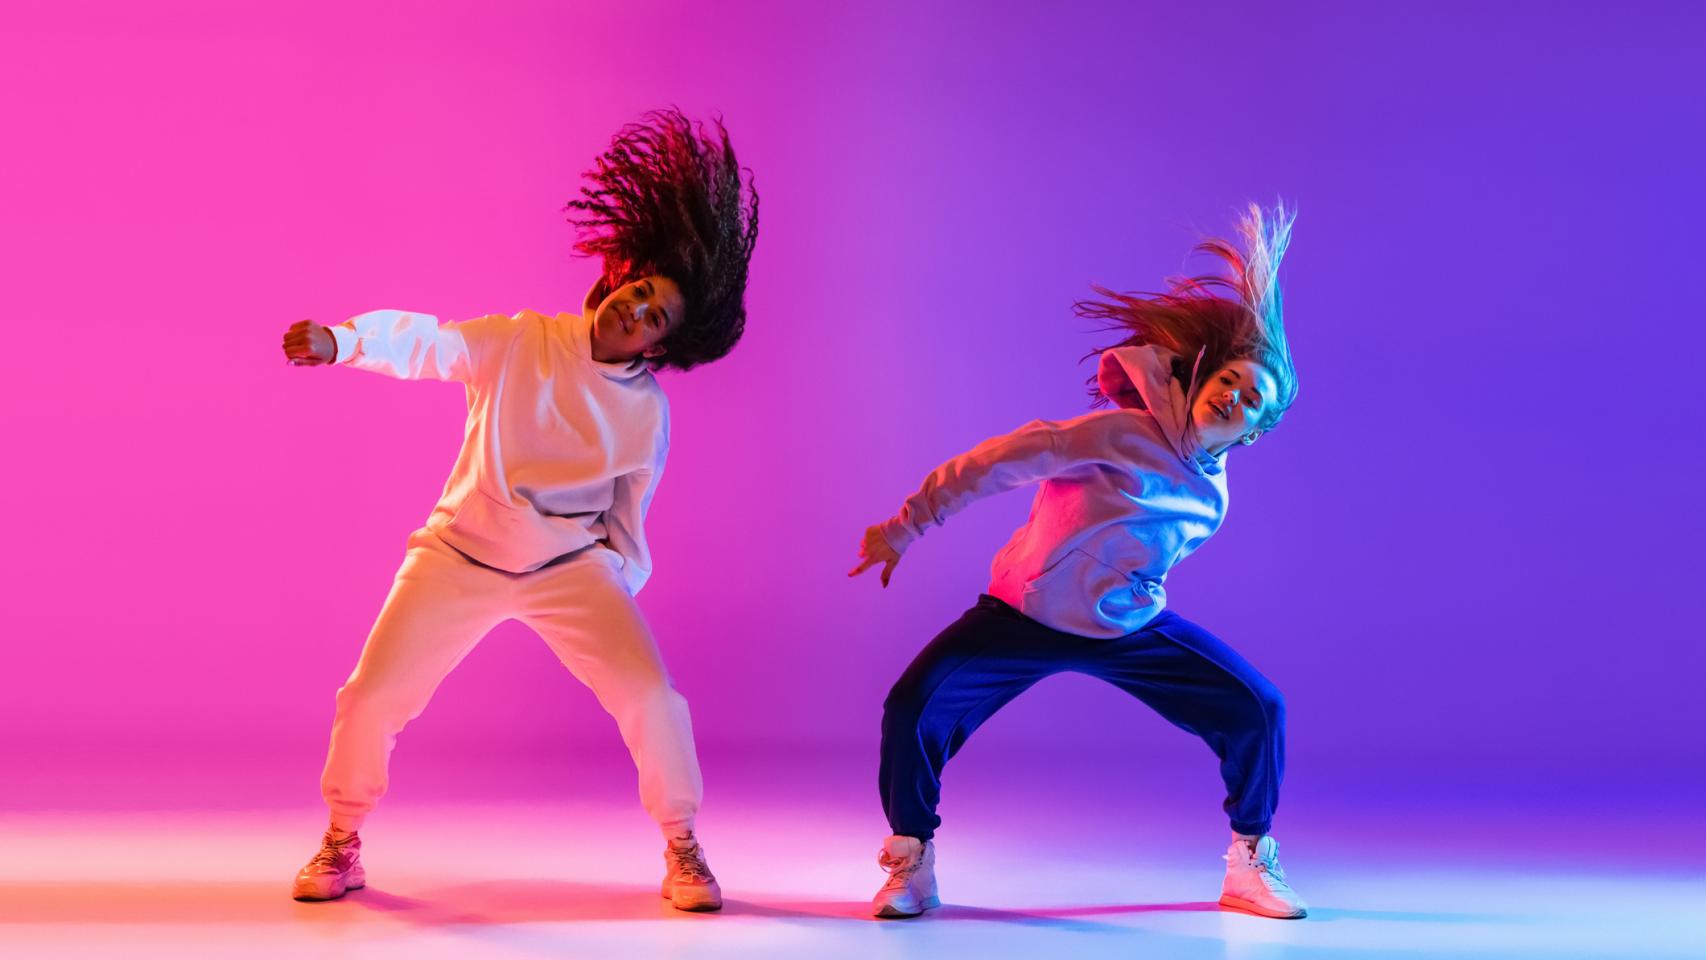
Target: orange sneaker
[(332, 872), (687, 879)]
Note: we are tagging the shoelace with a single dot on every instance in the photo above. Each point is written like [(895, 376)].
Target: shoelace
[(331, 850), (1270, 867), (690, 863), (900, 869)]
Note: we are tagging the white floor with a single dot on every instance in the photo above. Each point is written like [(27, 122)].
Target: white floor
[(559, 880)]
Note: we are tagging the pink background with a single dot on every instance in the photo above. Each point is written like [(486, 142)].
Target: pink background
[(1469, 554)]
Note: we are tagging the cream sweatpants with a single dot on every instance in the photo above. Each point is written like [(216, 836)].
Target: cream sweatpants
[(442, 604)]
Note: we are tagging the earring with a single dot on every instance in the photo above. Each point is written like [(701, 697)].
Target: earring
[(1247, 440)]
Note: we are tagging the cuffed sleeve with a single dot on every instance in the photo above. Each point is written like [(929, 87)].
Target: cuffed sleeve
[(411, 346), (343, 336)]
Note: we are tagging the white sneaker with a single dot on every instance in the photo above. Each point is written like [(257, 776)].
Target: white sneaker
[(687, 880), (1255, 882), (911, 887)]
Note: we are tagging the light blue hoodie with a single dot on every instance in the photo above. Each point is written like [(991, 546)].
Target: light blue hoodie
[(1126, 494)]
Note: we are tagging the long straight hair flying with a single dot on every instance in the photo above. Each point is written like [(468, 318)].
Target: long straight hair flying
[(1210, 320)]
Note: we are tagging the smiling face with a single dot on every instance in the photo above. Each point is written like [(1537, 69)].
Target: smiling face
[(1232, 403), (635, 318)]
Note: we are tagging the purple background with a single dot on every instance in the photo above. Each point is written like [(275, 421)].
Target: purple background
[(1469, 555)]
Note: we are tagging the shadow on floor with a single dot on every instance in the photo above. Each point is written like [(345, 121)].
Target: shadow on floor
[(486, 903), (537, 901), (546, 901), (1330, 915)]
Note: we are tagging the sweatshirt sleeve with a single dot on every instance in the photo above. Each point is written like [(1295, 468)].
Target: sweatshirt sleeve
[(625, 521), (412, 346), (1036, 451)]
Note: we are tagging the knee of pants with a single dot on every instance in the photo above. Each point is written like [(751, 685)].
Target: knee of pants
[(1269, 705), (657, 696), (391, 708), (903, 708), (669, 698)]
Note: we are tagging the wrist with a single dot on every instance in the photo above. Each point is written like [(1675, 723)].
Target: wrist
[(895, 535)]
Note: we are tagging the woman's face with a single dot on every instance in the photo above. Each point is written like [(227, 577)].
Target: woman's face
[(635, 318), (1232, 401)]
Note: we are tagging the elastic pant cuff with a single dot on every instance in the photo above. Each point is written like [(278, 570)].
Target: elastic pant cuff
[(346, 823)]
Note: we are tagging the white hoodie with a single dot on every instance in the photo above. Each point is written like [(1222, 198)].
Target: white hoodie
[(1126, 494), (560, 451)]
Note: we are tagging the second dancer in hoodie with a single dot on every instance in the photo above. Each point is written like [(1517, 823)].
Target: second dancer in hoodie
[(1125, 494)]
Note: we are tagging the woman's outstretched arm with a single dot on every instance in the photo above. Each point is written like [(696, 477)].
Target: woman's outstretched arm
[(398, 343), (1036, 451)]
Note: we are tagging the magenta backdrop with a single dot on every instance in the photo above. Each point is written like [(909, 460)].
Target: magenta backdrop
[(1471, 548)]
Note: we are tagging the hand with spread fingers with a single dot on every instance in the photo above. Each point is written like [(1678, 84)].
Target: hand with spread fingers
[(875, 549), (308, 344)]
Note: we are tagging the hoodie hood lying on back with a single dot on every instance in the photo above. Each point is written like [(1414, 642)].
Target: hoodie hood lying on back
[(1141, 378)]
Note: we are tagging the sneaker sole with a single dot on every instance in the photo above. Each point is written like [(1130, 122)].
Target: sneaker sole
[(315, 896), (702, 906), (310, 895), (887, 912), (1239, 903)]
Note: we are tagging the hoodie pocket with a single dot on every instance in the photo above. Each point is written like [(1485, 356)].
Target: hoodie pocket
[(505, 536), (1081, 594), (481, 516)]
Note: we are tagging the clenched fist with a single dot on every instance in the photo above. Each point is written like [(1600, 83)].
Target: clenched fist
[(307, 344)]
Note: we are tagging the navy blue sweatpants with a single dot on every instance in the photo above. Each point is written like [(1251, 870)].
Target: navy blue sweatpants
[(994, 653)]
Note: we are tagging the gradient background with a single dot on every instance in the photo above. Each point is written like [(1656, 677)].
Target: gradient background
[(1469, 557)]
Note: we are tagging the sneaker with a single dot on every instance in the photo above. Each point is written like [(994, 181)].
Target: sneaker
[(1255, 882), (334, 871), (687, 879), (911, 887)]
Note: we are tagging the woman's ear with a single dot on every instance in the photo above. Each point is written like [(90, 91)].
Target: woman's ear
[(1250, 437), (654, 351), (596, 295)]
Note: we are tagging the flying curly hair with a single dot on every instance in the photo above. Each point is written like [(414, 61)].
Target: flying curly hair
[(1210, 320), (667, 198)]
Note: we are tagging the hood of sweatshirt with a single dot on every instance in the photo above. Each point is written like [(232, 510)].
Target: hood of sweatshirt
[(1141, 378), (580, 337)]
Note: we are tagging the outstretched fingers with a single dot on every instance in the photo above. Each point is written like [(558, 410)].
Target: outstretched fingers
[(875, 549)]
